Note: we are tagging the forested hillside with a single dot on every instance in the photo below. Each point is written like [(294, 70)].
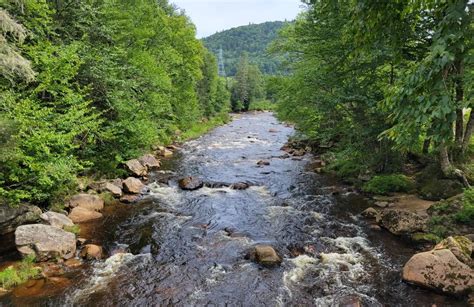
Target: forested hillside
[(85, 85), (253, 39)]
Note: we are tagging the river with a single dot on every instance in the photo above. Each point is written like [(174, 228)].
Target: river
[(188, 248)]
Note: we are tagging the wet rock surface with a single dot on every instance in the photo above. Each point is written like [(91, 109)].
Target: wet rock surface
[(82, 215), (190, 183)]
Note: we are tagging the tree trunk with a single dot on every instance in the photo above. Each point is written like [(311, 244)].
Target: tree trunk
[(448, 169), (459, 128), (426, 146), (468, 133), (459, 133)]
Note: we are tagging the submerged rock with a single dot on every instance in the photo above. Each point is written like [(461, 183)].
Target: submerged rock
[(45, 242), (190, 183), (11, 218), (240, 186), (57, 220), (133, 185), (265, 255), (263, 162), (82, 215), (86, 201), (136, 168), (92, 252)]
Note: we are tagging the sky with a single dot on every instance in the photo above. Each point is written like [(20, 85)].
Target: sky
[(211, 16)]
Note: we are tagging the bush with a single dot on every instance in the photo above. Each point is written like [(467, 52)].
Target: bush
[(386, 184), (262, 105), (466, 214), (13, 276)]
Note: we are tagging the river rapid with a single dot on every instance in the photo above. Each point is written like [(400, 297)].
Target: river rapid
[(188, 248)]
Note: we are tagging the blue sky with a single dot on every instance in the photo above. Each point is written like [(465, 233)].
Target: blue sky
[(211, 16)]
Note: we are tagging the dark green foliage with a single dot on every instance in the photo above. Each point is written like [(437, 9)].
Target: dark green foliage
[(111, 80), (252, 39), (466, 214), (249, 85), (386, 184)]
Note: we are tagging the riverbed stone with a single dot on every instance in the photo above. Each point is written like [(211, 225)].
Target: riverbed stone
[(83, 215), (460, 246), (136, 168), (240, 186), (265, 255), (12, 217), (113, 189), (190, 183), (86, 201), (133, 185), (263, 163), (57, 220), (92, 252), (439, 269), (150, 162), (45, 242), (401, 222), (129, 198)]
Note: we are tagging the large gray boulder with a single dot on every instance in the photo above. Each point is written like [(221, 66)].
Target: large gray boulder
[(11, 218), (400, 222), (45, 242), (57, 220)]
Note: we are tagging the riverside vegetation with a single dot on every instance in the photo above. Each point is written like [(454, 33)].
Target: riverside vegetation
[(88, 85)]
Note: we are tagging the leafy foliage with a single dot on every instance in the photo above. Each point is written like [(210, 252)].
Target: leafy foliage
[(112, 79), (15, 275), (385, 184)]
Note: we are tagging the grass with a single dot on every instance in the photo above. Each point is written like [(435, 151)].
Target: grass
[(73, 229), (466, 214), (16, 275), (386, 184), (262, 105), (203, 127)]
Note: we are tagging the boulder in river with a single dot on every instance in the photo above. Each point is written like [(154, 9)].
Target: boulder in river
[(240, 186), (150, 162), (129, 198), (86, 201), (441, 269), (265, 255), (83, 215), (190, 183), (133, 185), (45, 242), (136, 168), (57, 220), (12, 217), (92, 252), (263, 162)]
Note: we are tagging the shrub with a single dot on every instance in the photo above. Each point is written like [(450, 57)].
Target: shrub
[(13, 276), (466, 214), (386, 184), (262, 105)]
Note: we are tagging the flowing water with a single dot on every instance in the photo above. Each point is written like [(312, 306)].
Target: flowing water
[(189, 248)]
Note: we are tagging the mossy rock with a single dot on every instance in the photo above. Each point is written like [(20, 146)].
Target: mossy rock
[(422, 237), (438, 189)]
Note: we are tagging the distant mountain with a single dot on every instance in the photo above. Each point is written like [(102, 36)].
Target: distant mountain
[(254, 39)]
